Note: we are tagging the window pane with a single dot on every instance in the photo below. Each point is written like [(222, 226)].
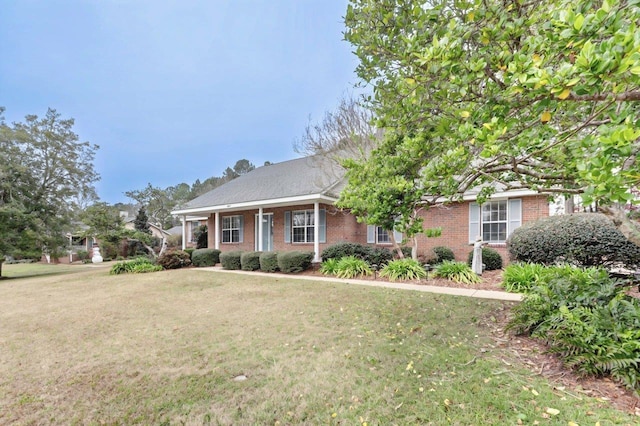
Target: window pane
[(235, 236), (310, 218), (298, 218), (382, 235), (310, 234), (298, 235), (226, 236)]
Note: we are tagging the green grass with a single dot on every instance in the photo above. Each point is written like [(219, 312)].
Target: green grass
[(24, 270), (164, 348)]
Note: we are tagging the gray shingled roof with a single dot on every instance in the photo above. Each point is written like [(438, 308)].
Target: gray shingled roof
[(303, 176)]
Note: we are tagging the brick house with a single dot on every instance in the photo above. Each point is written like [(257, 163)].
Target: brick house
[(290, 206)]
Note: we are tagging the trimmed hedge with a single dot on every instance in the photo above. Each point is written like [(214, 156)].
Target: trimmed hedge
[(269, 261), (490, 258), (581, 239), (174, 259), (372, 255), (205, 257), (294, 261), (250, 261), (190, 251), (231, 260)]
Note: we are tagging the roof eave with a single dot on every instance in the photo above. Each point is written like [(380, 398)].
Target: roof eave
[(251, 205)]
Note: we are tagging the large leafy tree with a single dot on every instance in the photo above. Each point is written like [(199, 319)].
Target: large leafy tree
[(46, 172), (511, 94)]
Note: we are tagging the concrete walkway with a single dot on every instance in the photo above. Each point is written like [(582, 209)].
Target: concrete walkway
[(454, 291)]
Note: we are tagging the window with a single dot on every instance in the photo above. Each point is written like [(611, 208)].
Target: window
[(494, 221), (300, 224), (232, 229), (379, 235)]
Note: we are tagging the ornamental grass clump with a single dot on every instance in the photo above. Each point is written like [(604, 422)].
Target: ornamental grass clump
[(138, 265), (522, 277), (403, 269), (329, 266), (456, 271), (351, 267)]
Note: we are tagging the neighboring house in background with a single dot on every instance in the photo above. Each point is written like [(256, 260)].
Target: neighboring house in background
[(129, 223), (291, 206)]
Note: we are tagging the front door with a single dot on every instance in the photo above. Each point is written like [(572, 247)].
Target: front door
[(267, 232)]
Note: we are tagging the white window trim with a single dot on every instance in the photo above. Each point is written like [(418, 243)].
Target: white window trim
[(231, 229), (307, 213), (512, 222)]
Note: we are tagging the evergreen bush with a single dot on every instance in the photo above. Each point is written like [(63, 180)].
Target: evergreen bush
[(250, 261), (205, 257), (442, 254), (581, 239), (490, 258), (269, 261), (230, 260), (372, 255), (174, 259), (294, 261)]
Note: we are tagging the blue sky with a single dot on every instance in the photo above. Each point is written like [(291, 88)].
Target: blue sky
[(175, 91)]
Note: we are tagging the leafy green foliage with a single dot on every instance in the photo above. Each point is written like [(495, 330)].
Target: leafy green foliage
[(205, 257), (521, 277), (456, 271), (269, 261), (329, 266), (231, 260), (250, 260), (351, 267), (403, 269), (372, 255), (294, 261), (189, 250), (442, 254), (586, 318), (583, 239), (540, 95), (45, 173), (490, 258), (174, 259), (136, 266)]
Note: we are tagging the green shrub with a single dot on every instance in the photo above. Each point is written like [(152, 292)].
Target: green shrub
[(82, 254), (351, 267), (406, 252), (403, 269), (250, 261), (190, 251), (456, 271), (490, 258), (230, 260), (294, 261), (442, 254), (269, 261), (372, 255), (137, 265), (329, 266), (174, 259), (522, 277), (205, 257), (581, 239), (587, 319)]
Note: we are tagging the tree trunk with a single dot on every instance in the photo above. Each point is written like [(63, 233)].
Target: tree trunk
[(625, 225), (1, 262)]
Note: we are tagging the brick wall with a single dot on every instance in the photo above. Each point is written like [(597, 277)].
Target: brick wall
[(454, 221), (341, 226)]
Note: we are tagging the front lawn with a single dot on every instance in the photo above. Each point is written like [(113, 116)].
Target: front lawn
[(199, 347)]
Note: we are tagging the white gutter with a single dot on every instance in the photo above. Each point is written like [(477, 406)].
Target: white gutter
[(251, 205)]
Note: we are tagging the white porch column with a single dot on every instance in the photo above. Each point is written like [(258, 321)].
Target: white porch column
[(184, 231), (217, 231), (316, 231), (260, 226)]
